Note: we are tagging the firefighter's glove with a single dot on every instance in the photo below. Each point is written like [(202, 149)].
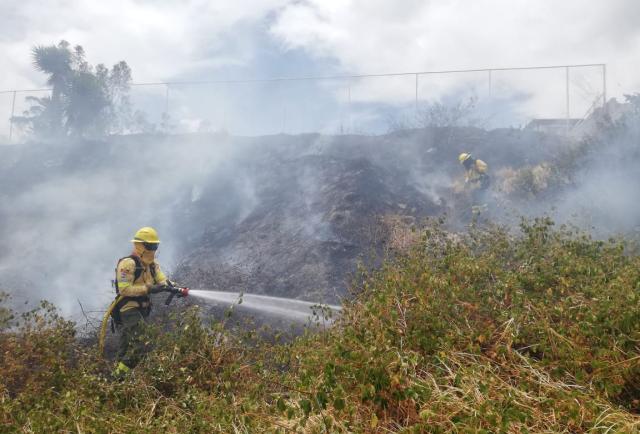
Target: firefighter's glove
[(158, 288)]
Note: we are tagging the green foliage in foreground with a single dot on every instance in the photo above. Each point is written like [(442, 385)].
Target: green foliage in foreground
[(485, 332)]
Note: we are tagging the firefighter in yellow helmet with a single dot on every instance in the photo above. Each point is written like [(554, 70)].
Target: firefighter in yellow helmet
[(476, 176), (137, 276)]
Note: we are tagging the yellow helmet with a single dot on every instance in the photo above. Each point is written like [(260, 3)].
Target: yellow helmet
[(463, 157), (146, 235)]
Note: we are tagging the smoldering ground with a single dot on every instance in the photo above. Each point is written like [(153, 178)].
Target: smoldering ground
[(280, 215)]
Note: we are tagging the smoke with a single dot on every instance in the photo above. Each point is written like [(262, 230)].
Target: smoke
[(70, 210), (604, 197), (281, 208)]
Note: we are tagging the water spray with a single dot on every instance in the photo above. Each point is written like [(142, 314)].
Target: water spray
[(293, 309), (296, 310)]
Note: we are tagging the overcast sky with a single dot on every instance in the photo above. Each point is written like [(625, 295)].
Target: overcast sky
[(165, 40)]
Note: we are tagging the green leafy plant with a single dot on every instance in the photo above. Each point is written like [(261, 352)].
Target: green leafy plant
[(487, 331)]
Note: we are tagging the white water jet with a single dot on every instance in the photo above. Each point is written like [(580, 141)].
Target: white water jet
[(289, 308)]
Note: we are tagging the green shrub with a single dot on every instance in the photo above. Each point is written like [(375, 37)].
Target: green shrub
[(488, 331)]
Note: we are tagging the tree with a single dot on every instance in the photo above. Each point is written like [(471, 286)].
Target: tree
[(84, 101), (118, 87), (87, 106), (55, 61)]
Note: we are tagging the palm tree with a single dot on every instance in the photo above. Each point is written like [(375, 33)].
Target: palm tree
[(56, 61), (84, 100)]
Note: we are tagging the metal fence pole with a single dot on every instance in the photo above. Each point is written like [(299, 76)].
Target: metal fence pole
[(490, 84), (568, 96), (349, 126), (13, 111), (416, 104), (604, 86), (166, 100), (284, 118)]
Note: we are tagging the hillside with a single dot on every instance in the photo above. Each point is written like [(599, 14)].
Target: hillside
[(282, 215), (449, 324), (482, 332)]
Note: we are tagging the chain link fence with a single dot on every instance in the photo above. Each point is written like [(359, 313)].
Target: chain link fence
[(358, 104)]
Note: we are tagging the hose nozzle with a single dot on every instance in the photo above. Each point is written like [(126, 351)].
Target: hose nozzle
[(173, 291)]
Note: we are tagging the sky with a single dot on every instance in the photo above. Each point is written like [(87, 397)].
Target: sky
[(173, 40)]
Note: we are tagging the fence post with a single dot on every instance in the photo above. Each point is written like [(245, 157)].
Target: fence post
[(349, 125), (604, 86), (568, 101), (166, 100), (416, 105), (284, 118), (13, 111)]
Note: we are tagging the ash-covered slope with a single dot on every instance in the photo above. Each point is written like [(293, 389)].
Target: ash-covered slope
[(281, 215), (316, 215), (320, 203)]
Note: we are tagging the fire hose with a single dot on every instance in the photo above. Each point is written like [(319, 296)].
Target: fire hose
[(170, 288)]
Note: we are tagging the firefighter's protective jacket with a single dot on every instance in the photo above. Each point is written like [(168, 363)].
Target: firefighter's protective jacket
[(476, 172), (129, 286)]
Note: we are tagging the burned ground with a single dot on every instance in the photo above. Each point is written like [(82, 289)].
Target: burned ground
[(281, 215), (322, 203), (315, 218)]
